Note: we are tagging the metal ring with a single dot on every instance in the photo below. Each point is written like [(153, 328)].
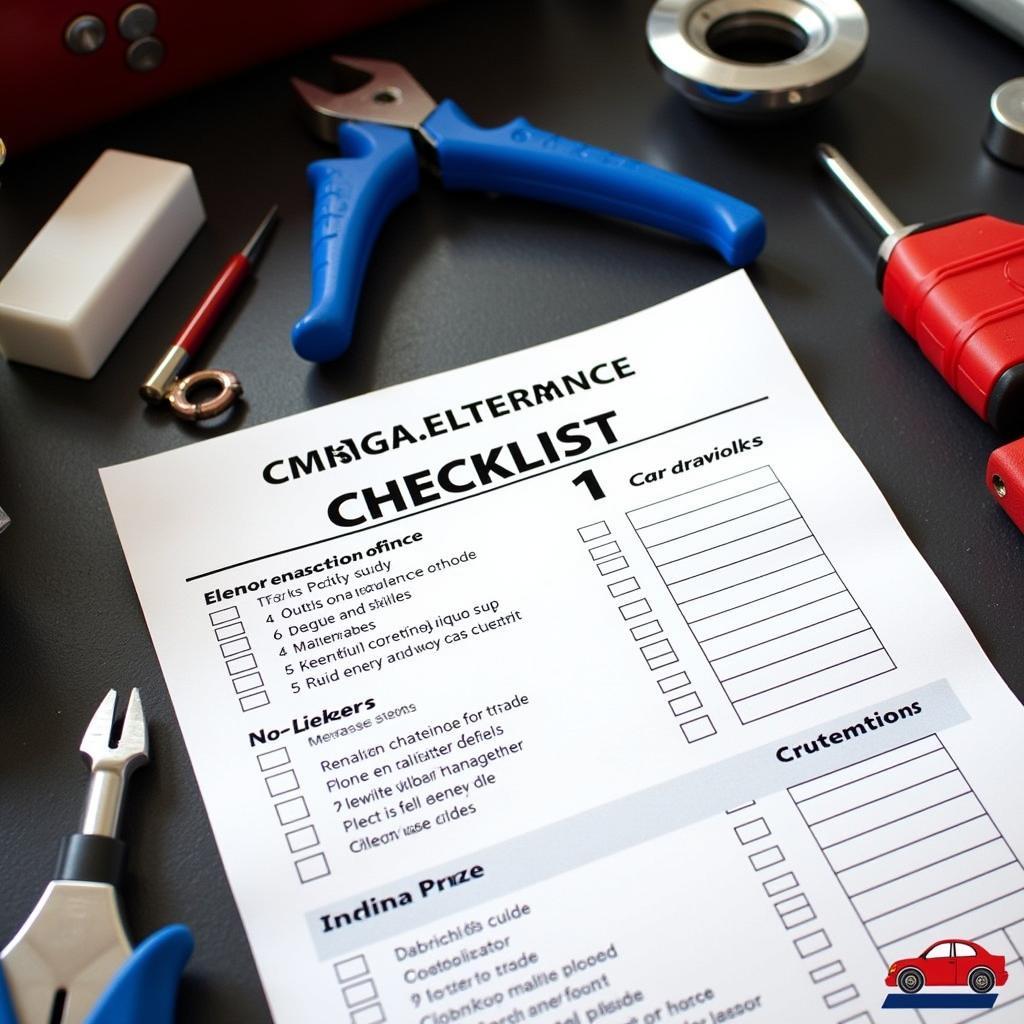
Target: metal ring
[(230, 390), (757, 58)]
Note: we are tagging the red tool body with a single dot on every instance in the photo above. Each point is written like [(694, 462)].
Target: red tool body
[(957, 288), (958, 291), (53, 88), (214, 302), (1006, 480)]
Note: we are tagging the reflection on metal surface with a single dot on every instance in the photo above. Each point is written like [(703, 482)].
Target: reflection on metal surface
[(756, 59)]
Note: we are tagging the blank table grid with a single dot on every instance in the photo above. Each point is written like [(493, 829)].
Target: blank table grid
[(920, 858), (769, 610)]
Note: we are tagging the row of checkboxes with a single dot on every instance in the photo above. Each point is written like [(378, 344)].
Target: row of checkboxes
[(239, 660), (782, 887), (282, 781), (359, 991), (695, 724)]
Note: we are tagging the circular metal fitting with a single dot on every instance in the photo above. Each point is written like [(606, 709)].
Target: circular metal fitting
[(751, 59), (85, 34), (179, 397), (136, 21), (145, 54), (1004, 136)]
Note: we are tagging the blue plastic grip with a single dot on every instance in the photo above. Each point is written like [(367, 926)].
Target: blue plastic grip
[(354, 194), (6, 1006), (144, 991), (518, 159)]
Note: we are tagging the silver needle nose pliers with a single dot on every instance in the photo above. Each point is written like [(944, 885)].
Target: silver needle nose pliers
[(374, 127), (71, 962)]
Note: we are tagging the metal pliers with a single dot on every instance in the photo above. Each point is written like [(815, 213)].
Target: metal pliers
[(374, 124), (71, 962)]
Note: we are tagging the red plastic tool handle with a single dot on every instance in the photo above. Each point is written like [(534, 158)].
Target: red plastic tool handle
[(213, 303), (958, 290), (1006, 480)]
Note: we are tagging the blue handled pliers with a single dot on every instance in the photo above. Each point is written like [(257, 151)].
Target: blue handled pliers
[(379, 167), (71, 962)]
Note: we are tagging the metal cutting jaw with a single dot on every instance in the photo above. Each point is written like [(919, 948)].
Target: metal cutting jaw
[(74, 941), (389, 96)]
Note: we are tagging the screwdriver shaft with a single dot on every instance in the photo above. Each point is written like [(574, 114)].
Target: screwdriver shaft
[(867, 200)]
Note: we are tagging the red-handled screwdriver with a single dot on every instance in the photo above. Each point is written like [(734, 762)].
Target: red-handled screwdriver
[(165, 381), (957, 288)]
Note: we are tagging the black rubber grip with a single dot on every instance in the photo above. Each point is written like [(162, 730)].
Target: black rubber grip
[(1005, 409), (90, 859)]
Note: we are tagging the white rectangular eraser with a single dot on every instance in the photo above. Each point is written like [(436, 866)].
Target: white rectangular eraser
[(71, 295)]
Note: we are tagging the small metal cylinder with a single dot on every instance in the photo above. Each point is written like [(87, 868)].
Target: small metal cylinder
[(1004, 134), (155, 387)]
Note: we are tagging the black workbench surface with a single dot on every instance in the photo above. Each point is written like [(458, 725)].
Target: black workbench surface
[(456, 278)]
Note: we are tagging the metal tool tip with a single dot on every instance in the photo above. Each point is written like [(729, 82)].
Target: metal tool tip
[(134, 737), (134, 742), (97, 735), (253, 249), (825, 152)]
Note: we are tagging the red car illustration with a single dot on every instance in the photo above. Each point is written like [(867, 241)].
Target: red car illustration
[(949, 962)]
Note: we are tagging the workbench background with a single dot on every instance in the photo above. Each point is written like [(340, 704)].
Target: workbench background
[(456, 278)]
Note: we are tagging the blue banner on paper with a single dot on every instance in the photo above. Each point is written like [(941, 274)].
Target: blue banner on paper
[(939, 1001)]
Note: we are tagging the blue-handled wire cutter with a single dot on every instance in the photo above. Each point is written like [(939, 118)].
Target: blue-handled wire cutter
[(374, 127), (71, 962)]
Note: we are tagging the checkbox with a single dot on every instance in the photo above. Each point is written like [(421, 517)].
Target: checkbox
[(292, 810), (634, 609), (276, 758), (252, 701), (222, 615), (780, 884), (620, 588), (353, 967), (610, 565), (766, 858), (312, 868), (237, 646), (791, 903), (673, 682), (813, 942), (372, 1014), (685, 703), (656, 650), (236, 666), (795, 911), (595, 531), (826, 971), (250, 681), (359, 993), (699, 729), (227, 632), (282, 782), (646, 629), (749, 831), (605, 550), (302, 839), (841, 995)]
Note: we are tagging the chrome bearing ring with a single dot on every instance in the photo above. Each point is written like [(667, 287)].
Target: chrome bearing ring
[(756, 59)]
